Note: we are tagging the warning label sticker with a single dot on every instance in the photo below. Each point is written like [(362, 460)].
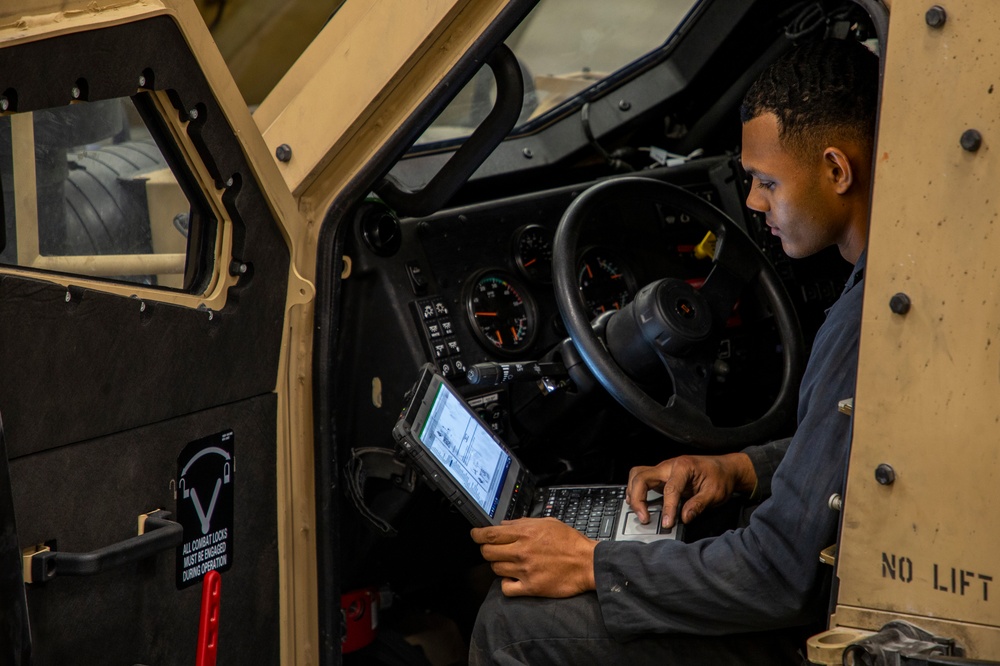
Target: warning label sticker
[(205, 479)]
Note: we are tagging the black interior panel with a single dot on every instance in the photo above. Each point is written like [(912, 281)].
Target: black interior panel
[(88, 495)]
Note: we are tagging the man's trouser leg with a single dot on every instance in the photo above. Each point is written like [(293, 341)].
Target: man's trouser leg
[(530, 630)]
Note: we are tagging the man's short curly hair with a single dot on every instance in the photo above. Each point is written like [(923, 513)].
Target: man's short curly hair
[(820, 90)]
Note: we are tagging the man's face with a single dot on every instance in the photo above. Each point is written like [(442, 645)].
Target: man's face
[(794, 192)]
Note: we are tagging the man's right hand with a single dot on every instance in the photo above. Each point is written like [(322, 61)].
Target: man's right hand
[(705, 480)]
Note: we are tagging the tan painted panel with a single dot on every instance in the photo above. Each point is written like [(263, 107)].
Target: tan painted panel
[(929, 382), (345, 82)]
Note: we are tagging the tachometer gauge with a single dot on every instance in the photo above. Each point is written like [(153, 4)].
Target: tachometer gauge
[(533, 252), (502, 313), (605, 282)]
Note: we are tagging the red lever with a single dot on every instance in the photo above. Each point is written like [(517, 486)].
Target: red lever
[(208, 626)]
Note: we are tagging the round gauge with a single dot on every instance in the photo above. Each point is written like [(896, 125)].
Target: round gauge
[(605, 282), (533, 252), (502, 313)]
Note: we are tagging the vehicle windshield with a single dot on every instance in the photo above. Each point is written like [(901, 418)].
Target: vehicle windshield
[(566, 48)]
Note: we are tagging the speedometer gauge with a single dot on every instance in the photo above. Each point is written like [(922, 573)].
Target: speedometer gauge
[(502, 313), (605, 282), (533, 252)]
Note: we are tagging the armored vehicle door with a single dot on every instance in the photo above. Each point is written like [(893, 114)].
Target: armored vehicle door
[(143, 288)]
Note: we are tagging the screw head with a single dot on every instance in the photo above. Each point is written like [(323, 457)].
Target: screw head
[(885, 474), (142, 81), (971, 140), (193, 114), (527, 153), (899, 303), (4, 103), (624, 105), (936, 16), (230, 181), (75, 92), (283, 152)]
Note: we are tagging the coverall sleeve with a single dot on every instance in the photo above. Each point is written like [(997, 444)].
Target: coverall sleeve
[(765, 459), (767, 575)]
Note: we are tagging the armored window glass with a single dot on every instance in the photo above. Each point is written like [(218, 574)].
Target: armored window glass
[(88, 191), (567, 49)]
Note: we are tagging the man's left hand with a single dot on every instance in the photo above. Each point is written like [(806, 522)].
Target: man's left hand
[(541, 557)]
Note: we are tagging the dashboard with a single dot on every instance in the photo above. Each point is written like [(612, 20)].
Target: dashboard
[(485, 291), (473, 284)]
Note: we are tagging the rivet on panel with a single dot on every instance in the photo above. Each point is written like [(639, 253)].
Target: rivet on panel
[(936, 16), (283, 152), (971, 140), (900, 303), (885, 474)]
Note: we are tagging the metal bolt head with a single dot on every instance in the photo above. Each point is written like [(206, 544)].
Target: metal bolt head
[(936, 16), (885, 474), (230, 181), (4, 103), (75, 92), (193, 114), (527, 153), (237, 268), (283, 152), (624, 105), (971, 140), (899, 303), (142, 81)]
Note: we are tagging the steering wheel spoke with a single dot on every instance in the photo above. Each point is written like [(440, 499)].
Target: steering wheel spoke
[(690, 377), (671, 324), (722, 289)]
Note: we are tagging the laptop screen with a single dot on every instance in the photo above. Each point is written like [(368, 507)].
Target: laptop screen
[(464, 447)]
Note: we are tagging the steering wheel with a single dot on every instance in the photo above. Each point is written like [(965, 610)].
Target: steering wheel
[(670, 324)]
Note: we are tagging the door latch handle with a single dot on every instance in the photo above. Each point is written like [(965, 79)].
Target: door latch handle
[(156, 533)]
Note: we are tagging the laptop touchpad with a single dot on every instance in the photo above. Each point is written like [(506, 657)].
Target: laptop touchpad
[(633, 526)]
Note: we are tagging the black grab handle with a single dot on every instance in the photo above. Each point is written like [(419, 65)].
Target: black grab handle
[(159, 534), (497, 125)]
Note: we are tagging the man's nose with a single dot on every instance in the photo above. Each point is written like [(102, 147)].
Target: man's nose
[(755, 201)]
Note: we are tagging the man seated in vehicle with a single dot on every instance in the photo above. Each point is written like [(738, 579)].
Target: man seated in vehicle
[(752, 594)]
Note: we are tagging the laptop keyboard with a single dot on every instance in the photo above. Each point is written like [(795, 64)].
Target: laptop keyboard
[(593, 511)]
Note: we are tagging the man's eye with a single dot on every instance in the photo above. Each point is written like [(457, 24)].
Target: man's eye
[(765, 184)]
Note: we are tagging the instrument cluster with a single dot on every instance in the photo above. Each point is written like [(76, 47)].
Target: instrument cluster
[(503, 312)]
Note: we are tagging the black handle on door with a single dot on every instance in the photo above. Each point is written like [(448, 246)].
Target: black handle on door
[(159, 533)]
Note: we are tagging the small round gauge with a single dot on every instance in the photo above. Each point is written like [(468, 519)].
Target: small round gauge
[(533, 252), (502, 313), (606, 283)]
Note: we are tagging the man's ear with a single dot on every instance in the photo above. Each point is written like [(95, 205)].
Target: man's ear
[(839, 169)]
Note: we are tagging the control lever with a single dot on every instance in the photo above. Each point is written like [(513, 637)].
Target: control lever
[(494, 374)]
